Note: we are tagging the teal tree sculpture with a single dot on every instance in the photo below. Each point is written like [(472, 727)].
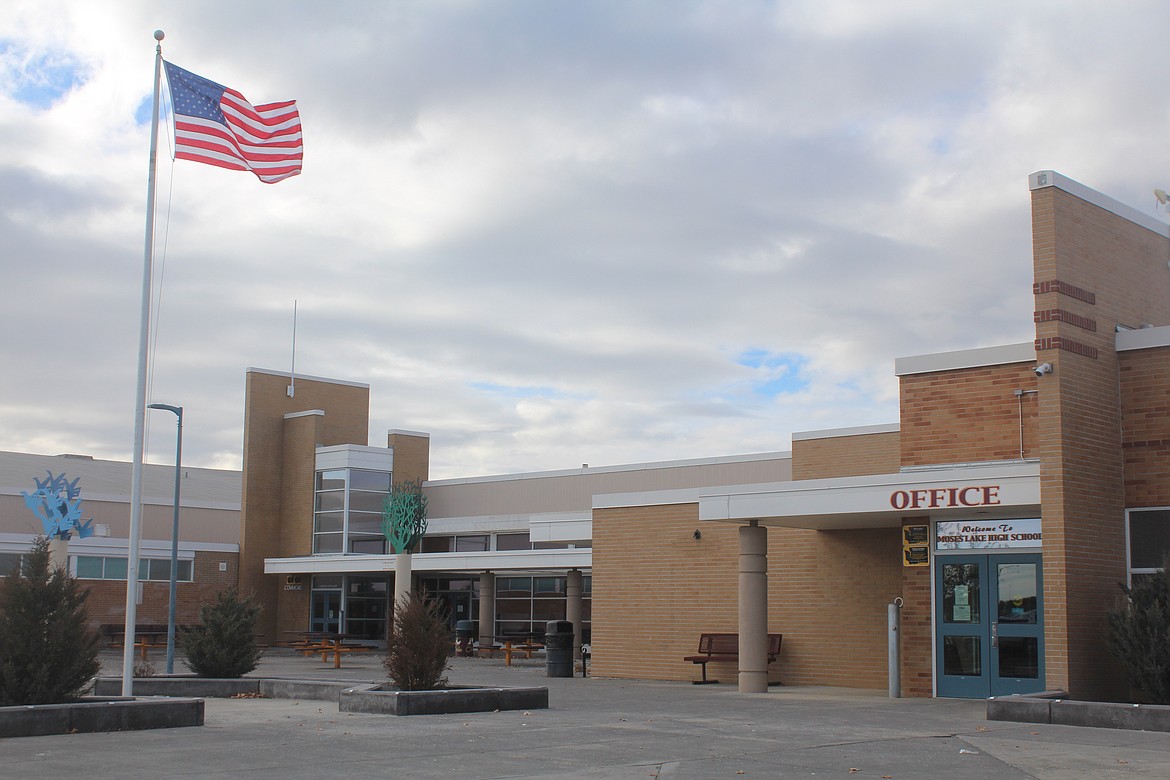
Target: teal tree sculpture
[(404, 516), (57, 503)]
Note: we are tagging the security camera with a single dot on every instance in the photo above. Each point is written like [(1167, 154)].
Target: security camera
[(1042, 369)]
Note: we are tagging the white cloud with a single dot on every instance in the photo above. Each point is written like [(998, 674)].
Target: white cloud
[(608, 203)]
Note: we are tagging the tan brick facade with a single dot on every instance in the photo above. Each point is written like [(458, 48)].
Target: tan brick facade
[(1107, 270), (1145, 424), (281, 434), (846, 456)]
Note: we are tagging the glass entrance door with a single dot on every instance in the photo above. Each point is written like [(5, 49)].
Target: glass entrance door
[(989, 625), (325, 611)]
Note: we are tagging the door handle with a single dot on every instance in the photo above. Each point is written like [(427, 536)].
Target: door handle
[(995, 634)]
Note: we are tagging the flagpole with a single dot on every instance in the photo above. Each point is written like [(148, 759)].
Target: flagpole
[(140, 401)]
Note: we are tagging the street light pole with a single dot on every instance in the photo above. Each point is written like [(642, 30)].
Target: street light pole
[(178, 411)]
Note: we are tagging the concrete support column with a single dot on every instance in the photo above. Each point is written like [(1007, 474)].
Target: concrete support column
[(487, 609), (573, 608), (753, 608), (58, 553), (402, 578)]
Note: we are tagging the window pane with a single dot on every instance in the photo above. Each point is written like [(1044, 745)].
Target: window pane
[(434, 544), (1017, 593), (331, 480), (365, 523), (1019, 656), (548, 586), (961, 593), (471, 543), (328, 521), (513, 609), (359, 479), (187, 571), (115, 569), (88, 567), (327, 543), (1149, 538), (368, 545), (333, 500), (961, 655), (160, 569), (367, 502), (548, 609), (513, 586), (512, 542)]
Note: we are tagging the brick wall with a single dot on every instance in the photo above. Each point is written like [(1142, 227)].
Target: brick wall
[(276, 517), (107, 598), (1145, 426), (412, 456), (968, 415), (656, 588), (1101, 270), (846, 456)]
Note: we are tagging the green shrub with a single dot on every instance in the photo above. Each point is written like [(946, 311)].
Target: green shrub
[(224, 645), (1139, 634), (418, 645), (48, 653)]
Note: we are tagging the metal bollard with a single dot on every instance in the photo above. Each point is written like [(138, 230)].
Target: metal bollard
[(894, 631)]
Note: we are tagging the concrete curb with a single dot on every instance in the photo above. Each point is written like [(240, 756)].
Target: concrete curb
[(375, 700), (96, 714), (1051, 707)]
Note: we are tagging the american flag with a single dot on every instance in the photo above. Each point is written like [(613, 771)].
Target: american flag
[(218, 126)]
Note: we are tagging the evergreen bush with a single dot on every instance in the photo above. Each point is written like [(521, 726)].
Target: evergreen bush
[(224, 645), (48, 652), (1139, 634), (418, 645)]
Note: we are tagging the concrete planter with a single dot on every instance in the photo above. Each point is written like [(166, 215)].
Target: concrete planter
[(214, 688), (95, 713), (386, 701), (1051, 707)]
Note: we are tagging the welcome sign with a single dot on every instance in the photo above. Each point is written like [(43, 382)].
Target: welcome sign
[(987, 534)]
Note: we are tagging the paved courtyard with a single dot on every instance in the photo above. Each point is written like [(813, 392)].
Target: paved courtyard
[(594, 728)]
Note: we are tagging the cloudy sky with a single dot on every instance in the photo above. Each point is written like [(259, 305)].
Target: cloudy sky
[(550, 233)]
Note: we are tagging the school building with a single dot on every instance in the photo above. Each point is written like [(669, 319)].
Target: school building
[(1020, 485)]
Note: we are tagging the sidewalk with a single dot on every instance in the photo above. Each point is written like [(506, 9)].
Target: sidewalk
[(595, 728)]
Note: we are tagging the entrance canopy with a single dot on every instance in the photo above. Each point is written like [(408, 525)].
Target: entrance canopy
[(985, 490), (501, 562)]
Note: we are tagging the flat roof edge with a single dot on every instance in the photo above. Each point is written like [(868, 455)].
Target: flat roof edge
[(327, 380), (1143, 338), (965, 358), (859, 430), (1042, 179)]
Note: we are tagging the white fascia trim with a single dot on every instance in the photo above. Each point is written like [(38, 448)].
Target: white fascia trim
[(648, 498), (965, 358), (404, 432), (112, 545), (860, 430), (666, 464), (270, 372), (498, 562), (1143, 338), (354, 456), (1042, 179), (817, 501)]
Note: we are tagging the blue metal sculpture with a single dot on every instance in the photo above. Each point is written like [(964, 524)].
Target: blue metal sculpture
[(57, 503)]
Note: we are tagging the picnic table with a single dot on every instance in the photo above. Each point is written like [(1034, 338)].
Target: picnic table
[(327, 643), (510, 644)]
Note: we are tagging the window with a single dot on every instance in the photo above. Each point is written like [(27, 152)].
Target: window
[(347, 511), (97, 567), (513, 542), (1149, 539), (9, 563)]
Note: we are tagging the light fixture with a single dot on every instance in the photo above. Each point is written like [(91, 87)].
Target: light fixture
[(697, 534)]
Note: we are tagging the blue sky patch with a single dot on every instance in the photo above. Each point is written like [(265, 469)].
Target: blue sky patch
[(776, 373), (43, 79)]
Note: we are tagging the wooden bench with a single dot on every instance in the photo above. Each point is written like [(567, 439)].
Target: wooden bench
[(725, 647)]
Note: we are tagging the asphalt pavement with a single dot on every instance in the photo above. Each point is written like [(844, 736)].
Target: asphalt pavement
[(594, 728)]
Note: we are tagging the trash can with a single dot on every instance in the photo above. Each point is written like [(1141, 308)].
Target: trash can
[(464, 636), (558, 648)]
